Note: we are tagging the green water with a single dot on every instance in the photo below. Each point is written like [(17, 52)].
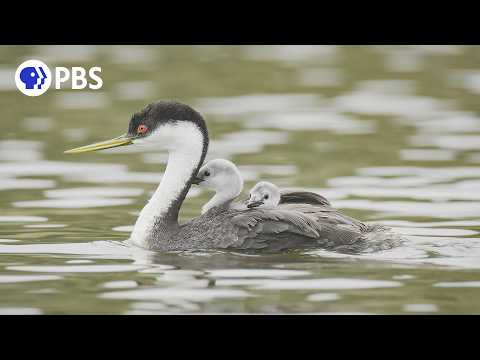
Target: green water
[(388, 134)]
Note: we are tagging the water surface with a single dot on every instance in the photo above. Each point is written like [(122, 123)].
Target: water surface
[(389, 135)]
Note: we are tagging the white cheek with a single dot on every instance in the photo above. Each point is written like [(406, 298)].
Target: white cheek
[(224, 183), (204, 184), (160, 138), (213, 184)]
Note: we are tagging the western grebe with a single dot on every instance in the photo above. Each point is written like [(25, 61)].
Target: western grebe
[(183, 133)]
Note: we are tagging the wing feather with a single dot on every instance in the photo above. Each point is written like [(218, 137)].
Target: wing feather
[(302, 197), (287, 226), (294, 225)]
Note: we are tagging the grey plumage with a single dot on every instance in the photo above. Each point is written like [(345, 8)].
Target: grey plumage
[(289, 226), (302, 220), (302, 197)]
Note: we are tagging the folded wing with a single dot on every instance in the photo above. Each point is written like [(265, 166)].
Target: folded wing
[(294, 226), (302, 197)]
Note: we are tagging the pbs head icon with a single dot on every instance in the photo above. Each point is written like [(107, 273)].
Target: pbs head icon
[(33, 77)]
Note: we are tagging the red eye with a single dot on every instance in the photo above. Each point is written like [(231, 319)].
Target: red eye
[(142, 129)]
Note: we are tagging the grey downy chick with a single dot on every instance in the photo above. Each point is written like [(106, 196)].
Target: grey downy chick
[(223, 177), (264, 195)]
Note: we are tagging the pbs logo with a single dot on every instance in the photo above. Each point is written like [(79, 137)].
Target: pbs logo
[(33, 77)]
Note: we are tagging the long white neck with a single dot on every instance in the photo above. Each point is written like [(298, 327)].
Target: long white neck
[(185, 156)]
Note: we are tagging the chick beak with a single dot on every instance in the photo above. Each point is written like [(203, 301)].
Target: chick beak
[(196, 180), (254, 204)]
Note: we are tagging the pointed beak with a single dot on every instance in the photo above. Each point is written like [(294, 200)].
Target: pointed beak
[(254, 204), (196, 180), (119, 141)]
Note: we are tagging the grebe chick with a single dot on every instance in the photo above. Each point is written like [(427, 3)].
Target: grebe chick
[(264, 195), (223, 177)]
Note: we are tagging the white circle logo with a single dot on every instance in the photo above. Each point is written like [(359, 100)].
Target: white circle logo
[(33, 77)]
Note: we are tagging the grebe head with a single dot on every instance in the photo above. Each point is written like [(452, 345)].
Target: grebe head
[(220, 175), (263, 195), (162, 124)]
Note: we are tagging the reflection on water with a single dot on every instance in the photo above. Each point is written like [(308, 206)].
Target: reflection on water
[(421, 308), (389, 134)]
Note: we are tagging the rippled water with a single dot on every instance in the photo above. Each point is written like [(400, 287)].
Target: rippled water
[(390, 135)]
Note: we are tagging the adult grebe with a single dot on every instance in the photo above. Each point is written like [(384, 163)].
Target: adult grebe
[(183, 132)]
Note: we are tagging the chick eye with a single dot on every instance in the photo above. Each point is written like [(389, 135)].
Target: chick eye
[(266, 197), (142, 129), (207, 173)]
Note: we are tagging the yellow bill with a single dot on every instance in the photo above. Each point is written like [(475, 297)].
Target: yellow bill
[(119, 141)]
